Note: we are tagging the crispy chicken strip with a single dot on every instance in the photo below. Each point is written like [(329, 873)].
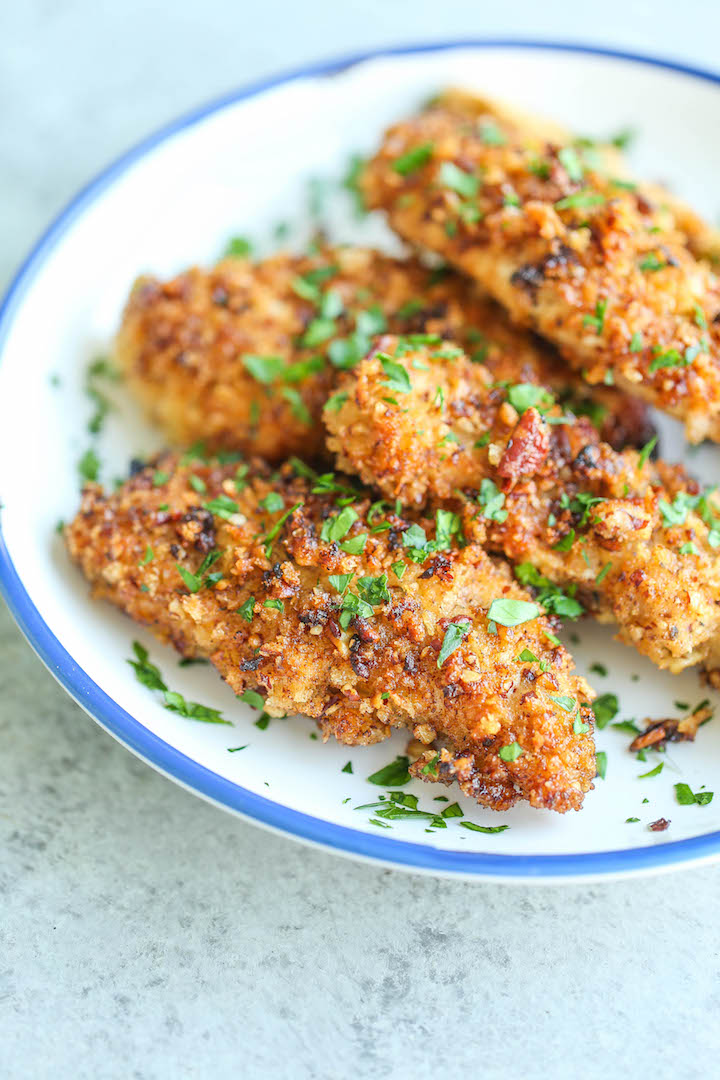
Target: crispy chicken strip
[(536, 132), (587, 260), (244, 356), (631, 541), (298, 589)]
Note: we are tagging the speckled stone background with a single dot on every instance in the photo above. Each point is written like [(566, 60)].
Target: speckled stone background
[(144, 934)]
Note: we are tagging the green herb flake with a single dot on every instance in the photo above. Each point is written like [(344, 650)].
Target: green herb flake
[(653, 772), (265, 369), (393, 775), (192, 710), (646, 452), (238, 247), (347, 768), (274, 605), (413, 159), (398, 379), (483, 828), (336, 527), (512, 612), (569, 159), (523, 396), (492, 501), (569, 704), (650, 263), (491, 134), (147, 557), (581, 200), (636, 342), (458, 180), (601, 764), (202, 579), (253, 699), (455, 633), (247, 610), (526, 657), (146, 673), (355, 545), (605, 707), (597, 321), (89, 466), (686, 797), (511, 752), (198, 484)]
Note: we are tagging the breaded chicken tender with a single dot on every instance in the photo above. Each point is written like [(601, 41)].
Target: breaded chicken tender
[(631, 541), (298, 588), (536, 132), (587, 259), (244, 356)]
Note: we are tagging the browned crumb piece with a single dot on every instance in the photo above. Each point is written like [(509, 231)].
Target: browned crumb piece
[(658, 733), (631, 541), (660, 825), (301, 591), (244, 356), (590, 262)]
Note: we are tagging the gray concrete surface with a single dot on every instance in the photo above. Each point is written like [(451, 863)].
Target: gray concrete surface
[(145, 934)]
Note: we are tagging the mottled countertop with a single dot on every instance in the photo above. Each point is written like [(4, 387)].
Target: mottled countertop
[(146, 934)]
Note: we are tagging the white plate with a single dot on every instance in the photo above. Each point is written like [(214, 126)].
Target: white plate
[(240, 166)]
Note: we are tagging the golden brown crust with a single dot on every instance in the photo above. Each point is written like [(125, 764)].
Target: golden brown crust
[(357, 674), (590, 263), (636, 542), (183, 345)]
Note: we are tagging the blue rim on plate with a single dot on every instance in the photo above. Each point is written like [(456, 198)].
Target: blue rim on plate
[(178, 766)]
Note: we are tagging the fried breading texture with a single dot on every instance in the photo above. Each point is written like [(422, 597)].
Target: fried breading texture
[(632, 541), (244, 356), (360, 641), (586, 259)]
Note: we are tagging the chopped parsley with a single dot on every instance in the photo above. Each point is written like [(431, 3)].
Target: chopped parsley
[(347, 768), (509, 612), (597, 321), (570, 161), (646, 452), (202, 579), (265, 369), (523, 396), (393, 775), (636, 342), (511, 752), (275, 531), (686, 797), (247, 610), (492, 501), (455, 633), (651, 262), (552, 598), (601, 764), (581, 200), (223, 506), (253, 699), (605, 707), (274, 605), (413, 159), (491, 134), (238, 247), (398, 379), (653, 772), (464, 183), (483, 828), (89, 466), (336, 527)]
